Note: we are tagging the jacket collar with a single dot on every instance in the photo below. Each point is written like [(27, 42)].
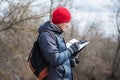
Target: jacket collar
[(50, 26)]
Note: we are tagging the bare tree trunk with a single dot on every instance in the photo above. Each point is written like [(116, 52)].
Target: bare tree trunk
[(72, 32), (116, 60), (51, 6)]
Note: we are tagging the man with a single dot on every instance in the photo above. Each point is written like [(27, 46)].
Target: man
[(55, 51)]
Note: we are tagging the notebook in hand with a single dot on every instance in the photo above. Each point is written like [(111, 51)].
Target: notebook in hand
[(82, 43)]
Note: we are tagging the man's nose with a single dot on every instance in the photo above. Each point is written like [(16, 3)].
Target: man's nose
[(67, 26)]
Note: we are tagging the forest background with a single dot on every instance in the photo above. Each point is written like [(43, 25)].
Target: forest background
[(95, 20)]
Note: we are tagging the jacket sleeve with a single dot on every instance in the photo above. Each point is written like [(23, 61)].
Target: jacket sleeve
[(50, 51)]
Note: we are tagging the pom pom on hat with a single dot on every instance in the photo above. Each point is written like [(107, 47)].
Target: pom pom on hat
[(61, 15)]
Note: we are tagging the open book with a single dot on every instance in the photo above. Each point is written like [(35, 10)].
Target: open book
[(82, 43)]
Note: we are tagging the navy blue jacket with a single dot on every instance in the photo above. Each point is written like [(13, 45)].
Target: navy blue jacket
[(55, 53)]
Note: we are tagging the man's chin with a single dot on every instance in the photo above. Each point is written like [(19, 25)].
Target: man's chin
[(63, 29)]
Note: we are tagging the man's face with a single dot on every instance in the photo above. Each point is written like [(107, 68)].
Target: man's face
[(63, 25)]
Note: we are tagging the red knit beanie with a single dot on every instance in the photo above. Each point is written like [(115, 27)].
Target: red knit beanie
[(61, 15)]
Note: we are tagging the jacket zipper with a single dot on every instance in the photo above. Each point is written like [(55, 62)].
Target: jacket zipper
[(63, 73)]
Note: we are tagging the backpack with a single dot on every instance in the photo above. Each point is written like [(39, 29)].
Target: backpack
[(37, 63)]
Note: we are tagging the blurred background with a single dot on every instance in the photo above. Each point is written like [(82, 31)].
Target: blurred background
[(95, 20)]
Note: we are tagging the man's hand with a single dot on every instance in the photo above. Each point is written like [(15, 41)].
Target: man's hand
[(82, 41), (74, 48)]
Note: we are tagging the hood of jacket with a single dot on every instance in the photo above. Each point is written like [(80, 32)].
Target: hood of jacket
[(50, 26)]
